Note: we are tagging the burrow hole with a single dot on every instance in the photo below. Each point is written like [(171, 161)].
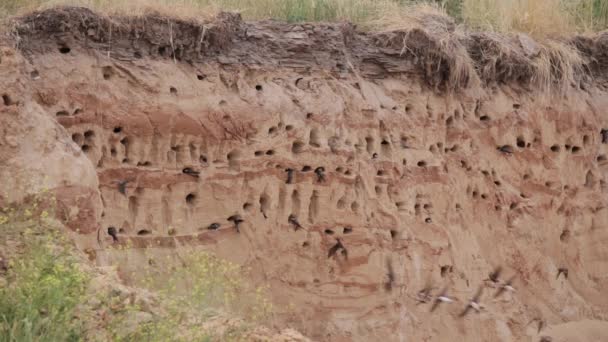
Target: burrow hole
[(107, 72), (297, 147), (6, 99), (191, 198)]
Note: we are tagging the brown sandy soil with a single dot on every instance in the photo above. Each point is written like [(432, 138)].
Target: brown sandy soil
[(414, 184)]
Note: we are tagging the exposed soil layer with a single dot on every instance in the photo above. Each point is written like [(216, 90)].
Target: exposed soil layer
[(434, 49), (362, 171)]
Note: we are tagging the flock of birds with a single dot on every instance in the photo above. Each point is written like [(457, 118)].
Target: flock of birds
[(425, 295), (235, 219)]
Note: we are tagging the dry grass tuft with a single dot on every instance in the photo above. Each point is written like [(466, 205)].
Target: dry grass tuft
[(538, 18)]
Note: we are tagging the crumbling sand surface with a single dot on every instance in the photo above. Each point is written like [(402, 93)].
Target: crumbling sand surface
[(424, 180)]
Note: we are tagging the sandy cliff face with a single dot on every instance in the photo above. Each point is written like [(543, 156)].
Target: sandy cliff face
[(339, 130)]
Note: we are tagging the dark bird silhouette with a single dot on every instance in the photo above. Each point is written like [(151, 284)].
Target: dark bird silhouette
[(541, 324), (237, 220), (375, 155), (604, 134), (508, 149), (390, 274), (506, 286), (113, 233), (562, 270), (335, 248), (320, 172), (289, 175), (294, 221), (473, 303), (3, 265), (122, 186), (441, 298), (214, 226), (546, 339), (191, 172), (495, 275)]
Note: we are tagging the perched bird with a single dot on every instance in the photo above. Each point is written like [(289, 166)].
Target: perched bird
[(375, 155), (122, 186), (508, 149), (236, 219), (494, 276), (390, 274), (320, 174), (442, 298), (506, 286), (562, 270), (289, 175), (214, 226), (473, 303), (604, 134), (335, 248), (190, 172), (294, 221), (113, 233)]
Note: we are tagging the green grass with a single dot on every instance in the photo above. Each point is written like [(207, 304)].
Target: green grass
[(537, 17), (45, 295), (42, 287)]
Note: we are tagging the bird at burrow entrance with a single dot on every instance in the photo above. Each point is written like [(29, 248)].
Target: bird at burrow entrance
[(562, 270), (320, 172), (191, 172), (473, 303), (290, 172), (113, 233), (214, 226), (441, 298), (292, 219), (506, 286), (507, 149), (237, 220), (495, 275), (337, 247), (122, 186)]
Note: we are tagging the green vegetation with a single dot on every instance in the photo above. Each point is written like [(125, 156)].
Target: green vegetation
[(192, 288), (48, 292), (43, 283), (537, 17)]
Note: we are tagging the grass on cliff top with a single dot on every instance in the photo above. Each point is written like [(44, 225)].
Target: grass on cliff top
[(536, 17)]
